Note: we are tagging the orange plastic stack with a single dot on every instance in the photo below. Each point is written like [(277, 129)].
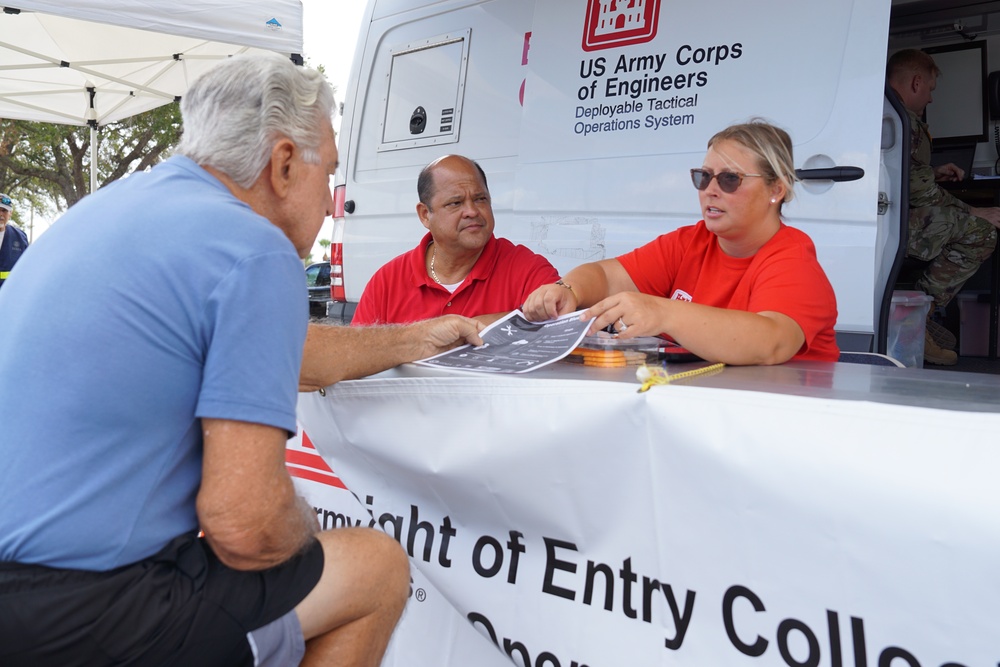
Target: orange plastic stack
[(606, 358)]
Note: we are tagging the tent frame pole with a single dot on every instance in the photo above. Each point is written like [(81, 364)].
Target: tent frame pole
[(93, 158), (92, 122)]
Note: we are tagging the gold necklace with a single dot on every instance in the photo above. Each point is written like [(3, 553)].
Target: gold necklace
[(433, 274)]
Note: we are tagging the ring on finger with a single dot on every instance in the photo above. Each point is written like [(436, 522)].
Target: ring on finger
[(621, 325)]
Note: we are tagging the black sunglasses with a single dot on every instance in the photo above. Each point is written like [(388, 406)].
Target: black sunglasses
[(728, 180)]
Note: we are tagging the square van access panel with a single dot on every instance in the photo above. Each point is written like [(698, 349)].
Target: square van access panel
[(423, 102)]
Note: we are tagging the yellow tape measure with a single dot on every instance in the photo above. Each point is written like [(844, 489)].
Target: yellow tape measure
[(650, 375)]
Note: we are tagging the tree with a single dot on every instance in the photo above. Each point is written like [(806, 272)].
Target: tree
[(49, 165)]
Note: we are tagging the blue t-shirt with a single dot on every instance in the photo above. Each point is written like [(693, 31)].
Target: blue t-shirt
[(155, 301)]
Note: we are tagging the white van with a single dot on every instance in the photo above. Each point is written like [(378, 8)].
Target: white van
[(586, 116)]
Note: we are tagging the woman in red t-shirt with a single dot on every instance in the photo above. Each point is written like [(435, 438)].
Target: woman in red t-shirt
[(739, 287)]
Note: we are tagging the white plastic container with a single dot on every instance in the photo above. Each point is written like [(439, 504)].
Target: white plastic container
[(907, 326)]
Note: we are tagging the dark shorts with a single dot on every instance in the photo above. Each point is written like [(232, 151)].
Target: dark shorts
[(179, 607)]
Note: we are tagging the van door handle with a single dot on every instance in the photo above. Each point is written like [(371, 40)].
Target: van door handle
[(838, 174)]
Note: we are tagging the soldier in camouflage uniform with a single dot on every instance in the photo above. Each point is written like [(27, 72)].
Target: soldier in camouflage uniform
[(953, 236)]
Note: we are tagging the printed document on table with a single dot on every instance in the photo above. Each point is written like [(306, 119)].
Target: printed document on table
[(515, 345)]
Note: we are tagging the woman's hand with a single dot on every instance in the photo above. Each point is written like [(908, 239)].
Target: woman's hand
[(631, 314), (714, 334), (549, 302)]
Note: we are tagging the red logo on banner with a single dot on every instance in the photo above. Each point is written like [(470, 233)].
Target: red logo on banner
[(612, 23), (303, 461)]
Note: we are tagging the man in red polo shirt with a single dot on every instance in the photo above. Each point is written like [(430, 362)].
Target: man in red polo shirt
[(459, 266)]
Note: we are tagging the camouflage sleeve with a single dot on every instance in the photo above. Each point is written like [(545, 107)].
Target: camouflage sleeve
[(924, 190)]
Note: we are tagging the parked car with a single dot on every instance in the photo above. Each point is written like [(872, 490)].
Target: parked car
[(318, 281)]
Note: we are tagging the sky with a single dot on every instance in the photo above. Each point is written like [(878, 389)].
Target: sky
[(331, 32), (330, 35)]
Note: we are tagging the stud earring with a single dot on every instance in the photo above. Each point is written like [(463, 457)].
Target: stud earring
[(773, 200)]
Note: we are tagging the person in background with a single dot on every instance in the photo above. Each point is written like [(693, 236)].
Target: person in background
[(148, 517), (13, 241), (739, 287), (459, 266), (943, 230)]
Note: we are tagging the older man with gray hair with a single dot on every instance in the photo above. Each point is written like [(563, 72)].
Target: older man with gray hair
[(148, 518)]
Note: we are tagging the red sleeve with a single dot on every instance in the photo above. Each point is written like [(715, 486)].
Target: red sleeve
[(653, 267), (537, 271), (791, 281), (371, 307)]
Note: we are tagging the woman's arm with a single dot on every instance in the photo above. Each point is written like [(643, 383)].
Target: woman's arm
[(714, 334), (583, 286)]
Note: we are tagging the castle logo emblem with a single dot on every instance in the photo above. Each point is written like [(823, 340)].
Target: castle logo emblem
[(613, 23)]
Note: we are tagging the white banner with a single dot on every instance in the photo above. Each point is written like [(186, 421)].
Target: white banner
[(428, 614), (582, 523)]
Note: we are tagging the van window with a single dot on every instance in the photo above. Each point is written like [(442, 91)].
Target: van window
[(423, 105)]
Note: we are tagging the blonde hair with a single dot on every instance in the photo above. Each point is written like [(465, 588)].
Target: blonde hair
[(770, 145)]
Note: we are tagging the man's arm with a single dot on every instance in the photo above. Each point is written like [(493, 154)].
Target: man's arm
[(949, 172), (335, 353), (990, 214), (247, 505)]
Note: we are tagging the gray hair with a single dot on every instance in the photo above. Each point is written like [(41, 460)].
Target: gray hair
[(235, 112)]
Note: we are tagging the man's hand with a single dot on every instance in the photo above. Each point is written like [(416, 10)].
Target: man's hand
[(444, 333), (990, 215), (335, 353), (949, 172)]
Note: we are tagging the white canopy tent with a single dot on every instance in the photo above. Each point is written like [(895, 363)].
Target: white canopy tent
[(93, 62)]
